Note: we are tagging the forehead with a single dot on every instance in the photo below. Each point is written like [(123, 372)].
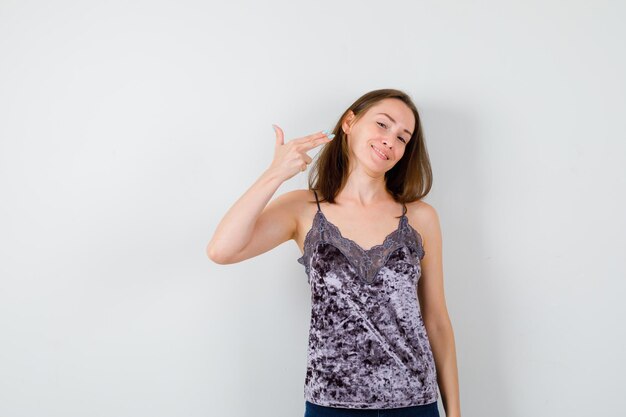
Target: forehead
[(395, 108)]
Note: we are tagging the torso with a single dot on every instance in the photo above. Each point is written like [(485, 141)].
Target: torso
[(380, 220), (366, 323)]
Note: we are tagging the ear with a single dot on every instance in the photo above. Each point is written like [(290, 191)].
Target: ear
[(347, 122)]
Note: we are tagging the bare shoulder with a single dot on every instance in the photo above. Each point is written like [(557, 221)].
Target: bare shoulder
[(421, 211), (295, 204), (291, 203), (297, 200), (303, 202), (291, 197), (425, 219)]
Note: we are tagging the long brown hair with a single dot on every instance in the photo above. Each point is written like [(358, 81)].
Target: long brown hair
[(409, 180)]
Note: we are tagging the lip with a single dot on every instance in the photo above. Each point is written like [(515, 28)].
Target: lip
[(379, 151)]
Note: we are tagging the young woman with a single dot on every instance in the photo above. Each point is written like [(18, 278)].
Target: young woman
[(380, 335)]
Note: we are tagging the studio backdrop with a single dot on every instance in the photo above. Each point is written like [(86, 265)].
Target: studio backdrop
[(128, 128)]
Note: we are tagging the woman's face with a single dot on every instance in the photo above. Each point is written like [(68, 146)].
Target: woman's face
[(378, 139)]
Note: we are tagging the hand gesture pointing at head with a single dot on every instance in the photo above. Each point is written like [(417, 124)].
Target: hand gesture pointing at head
[(291, 157)]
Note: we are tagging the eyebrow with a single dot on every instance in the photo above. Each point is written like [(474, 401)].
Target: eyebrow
[(395, 121)]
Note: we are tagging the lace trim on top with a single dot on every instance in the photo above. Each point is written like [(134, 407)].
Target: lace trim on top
[(367, 262)]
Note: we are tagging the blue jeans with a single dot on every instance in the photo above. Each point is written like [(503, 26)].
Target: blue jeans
[(315, 410)]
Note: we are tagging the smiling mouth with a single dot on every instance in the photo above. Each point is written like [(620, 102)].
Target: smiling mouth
[(379, 152)]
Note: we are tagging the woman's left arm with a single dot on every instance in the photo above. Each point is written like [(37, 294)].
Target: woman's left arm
[(432, 300)]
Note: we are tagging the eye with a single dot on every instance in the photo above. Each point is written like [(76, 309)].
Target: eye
[(399, 137)]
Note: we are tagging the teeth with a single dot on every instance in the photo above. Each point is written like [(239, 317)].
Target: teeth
[(379, 152)]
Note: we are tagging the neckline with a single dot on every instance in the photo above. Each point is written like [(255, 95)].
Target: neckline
[(352, 242)]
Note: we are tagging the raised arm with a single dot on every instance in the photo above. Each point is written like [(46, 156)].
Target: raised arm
[(249, 228)]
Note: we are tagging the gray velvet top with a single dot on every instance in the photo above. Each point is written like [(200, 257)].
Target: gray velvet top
[(368, 347)]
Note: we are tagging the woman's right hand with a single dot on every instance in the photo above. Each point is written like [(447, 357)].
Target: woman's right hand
[(290, 158)]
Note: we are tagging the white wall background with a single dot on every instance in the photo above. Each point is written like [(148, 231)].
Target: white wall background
[(128, 128)]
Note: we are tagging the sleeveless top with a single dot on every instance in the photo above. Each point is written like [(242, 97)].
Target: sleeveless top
[(368, 347)]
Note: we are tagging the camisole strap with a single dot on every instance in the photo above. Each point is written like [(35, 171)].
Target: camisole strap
[(317, 201), (321, 223)]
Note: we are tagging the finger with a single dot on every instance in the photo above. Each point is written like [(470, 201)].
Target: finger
[(280, 136), (318, 141), (308, 138)]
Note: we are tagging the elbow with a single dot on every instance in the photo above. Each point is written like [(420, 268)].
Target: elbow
[(215, 256)]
